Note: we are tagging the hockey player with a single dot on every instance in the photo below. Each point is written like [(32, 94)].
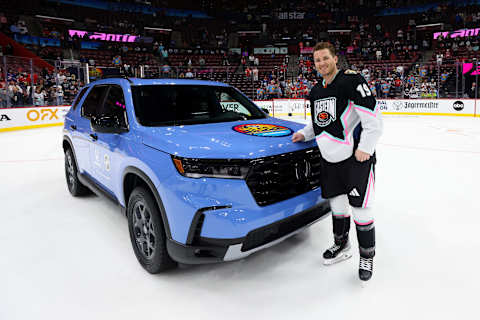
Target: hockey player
[(346, 124)]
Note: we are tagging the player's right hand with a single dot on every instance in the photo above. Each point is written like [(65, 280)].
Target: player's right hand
[(297, 137)]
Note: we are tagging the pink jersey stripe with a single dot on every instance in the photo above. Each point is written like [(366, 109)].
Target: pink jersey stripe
[(363, 223), (371, 182), (366, 111)]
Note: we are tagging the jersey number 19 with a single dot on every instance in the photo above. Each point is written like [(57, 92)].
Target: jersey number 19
[(364, 90)]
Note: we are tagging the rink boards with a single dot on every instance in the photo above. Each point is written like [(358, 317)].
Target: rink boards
[(440, 107), (37, 117), (29, 118)]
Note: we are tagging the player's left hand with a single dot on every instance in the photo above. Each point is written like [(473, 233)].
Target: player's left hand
[(361, 156)]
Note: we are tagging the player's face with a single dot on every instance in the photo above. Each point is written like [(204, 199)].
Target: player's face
[(325, 63)]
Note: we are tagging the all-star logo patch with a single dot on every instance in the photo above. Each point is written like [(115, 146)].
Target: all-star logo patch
[(325, 111), (263, 130)]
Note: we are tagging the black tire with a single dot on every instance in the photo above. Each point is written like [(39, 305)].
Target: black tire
[(75, 187), (147, 233)]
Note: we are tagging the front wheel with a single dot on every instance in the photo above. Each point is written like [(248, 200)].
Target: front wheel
[(75, 187), (146, 232)]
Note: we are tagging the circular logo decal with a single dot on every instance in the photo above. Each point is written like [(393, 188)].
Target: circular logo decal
[(263, 130), (324, 118), (458, 105)]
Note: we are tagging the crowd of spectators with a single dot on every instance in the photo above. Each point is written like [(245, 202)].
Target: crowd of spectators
[(272, 87), (48, 89), (385, 53)]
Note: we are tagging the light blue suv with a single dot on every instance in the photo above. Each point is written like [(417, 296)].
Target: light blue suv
[(202, 174)]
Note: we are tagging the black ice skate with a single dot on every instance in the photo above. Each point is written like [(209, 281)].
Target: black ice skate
[(337, 253), (365, 269)]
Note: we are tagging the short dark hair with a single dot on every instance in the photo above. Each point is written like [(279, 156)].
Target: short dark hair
[(325, 45)]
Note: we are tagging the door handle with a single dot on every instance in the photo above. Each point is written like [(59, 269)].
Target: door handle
[(73, 127), (93, 136)]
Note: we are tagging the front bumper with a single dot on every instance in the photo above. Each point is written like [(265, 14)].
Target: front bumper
[(207, 250)]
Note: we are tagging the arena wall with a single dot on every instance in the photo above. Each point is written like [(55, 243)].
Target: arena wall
[(37, 117), (437, 107), (29, 118)]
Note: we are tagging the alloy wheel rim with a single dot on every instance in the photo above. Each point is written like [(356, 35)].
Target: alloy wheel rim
[(143, 229), (70, 170)]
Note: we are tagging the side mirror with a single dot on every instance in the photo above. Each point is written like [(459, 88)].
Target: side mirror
[(107, 124), (266, 110)]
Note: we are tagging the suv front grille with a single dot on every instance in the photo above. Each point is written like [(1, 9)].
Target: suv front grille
[(280, 177)]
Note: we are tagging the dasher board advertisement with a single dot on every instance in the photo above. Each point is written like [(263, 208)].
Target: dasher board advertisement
[(35, 117)]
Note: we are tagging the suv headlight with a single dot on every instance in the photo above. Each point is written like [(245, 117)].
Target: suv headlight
[(212, 168)]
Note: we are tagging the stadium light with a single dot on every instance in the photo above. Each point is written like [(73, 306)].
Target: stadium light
[(54, 18), (431, 25), (339, 31), (158, 29), (244, 33)]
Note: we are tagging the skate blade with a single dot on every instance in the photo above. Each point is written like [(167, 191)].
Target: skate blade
[(339, 258)]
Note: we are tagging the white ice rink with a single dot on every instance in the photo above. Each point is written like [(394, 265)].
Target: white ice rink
[(70, 258)]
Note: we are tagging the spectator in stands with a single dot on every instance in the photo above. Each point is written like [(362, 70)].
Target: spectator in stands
[(255, 73), (248, 73), (225, 61), (189, 73), (261, 93), (166, 70), (15, 94), (127, 70), (27, 93), (288, 89), (39, 97), (273, 90), (243, 63), (3, 96), (251, 60), (61, 77), (473, 92), (58, 93), (378, 89)]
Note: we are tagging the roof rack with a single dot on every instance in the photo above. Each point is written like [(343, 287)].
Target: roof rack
[(122, 76)]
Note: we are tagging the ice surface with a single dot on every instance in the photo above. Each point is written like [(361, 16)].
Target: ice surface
[(71, 258)]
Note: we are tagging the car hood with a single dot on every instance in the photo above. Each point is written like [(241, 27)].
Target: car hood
[(220, 140)]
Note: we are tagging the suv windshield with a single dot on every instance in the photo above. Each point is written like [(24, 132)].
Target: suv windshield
[(160, 105)]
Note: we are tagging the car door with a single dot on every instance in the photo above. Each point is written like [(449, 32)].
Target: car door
[(106, 149), (82, 133)]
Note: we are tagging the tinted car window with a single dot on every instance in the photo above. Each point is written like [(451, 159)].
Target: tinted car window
[(158, 105), (80, 96), (93, 101), (114, 105)]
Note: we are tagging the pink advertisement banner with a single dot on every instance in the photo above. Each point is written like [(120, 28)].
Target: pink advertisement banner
[(103, 36), (458, 33)]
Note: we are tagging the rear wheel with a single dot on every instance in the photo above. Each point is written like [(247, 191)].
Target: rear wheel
[(75, 187), (147, 233)]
